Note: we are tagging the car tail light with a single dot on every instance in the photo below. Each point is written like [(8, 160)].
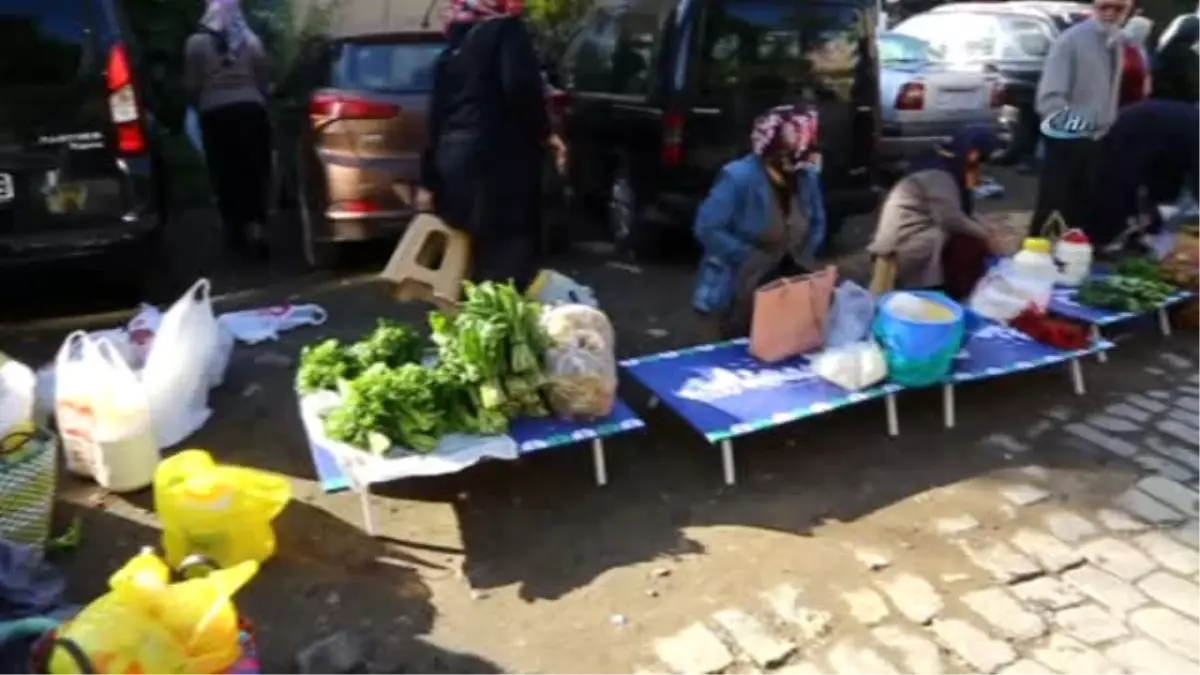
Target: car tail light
[(672, 149), (347, 107), (997, 100), (123, 104), (357, 207), (911, 97)]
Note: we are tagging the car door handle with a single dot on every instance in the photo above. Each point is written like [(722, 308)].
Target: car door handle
[(708, 112), (864, 109)]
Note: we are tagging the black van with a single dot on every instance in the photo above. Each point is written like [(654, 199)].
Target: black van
[(79, 172), (662, 93)]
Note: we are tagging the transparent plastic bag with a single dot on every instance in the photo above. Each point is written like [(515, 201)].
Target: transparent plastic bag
[(854, 366), (563, 321), (581, 376), (851, 315)]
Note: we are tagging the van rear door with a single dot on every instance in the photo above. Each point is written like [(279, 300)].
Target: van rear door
[(59, 139), (751, 55)]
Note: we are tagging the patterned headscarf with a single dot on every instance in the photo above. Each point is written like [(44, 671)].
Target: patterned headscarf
[(470, 11), (791, 128), (225, 18)]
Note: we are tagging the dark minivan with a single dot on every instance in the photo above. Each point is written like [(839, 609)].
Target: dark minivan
[(79, 172), (661, 93)]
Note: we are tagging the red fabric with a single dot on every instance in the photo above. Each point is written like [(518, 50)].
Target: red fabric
[(1134, 76), (964, 262)]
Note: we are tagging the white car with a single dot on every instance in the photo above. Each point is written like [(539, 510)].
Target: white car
[(925, 100)]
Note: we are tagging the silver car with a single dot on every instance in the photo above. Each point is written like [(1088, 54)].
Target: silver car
[(925, 99)]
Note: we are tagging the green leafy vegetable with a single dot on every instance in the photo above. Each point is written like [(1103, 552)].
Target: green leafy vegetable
[(1125, 294), (1139, 268), (322, 366), (390, 343), (488, 372)]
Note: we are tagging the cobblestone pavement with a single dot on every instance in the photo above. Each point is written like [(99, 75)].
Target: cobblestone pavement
[(1037, 582)]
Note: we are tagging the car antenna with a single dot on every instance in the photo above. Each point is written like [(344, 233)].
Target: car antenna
[(428, 14)]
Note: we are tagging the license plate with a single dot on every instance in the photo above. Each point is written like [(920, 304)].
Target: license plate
[(7, 191), (958, 100)]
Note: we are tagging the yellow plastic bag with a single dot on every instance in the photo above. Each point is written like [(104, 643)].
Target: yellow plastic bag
[(146, 624), (223, 513)]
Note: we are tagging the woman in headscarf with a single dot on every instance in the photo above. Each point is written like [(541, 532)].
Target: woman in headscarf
[(763, 219), (927, 237), (226, 76), (488, 130)]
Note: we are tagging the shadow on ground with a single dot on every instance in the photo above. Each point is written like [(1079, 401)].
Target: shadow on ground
[(327, 576)]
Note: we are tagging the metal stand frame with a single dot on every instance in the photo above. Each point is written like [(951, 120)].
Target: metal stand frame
[(730, 470), (1078, 385), (599, 466), (1164, 326)]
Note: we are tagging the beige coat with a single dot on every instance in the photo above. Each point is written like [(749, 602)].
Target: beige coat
[(918, 216)]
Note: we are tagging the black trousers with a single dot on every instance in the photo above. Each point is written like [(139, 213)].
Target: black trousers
[(237, 147), (497, 201), (1066, 184)]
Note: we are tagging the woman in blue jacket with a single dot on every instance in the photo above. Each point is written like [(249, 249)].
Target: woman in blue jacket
[(764, 218)]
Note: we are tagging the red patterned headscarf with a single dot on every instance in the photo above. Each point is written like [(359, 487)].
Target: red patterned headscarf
[(470, 11), (790, 128)]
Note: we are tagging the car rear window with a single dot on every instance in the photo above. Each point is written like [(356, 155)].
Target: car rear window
[(971, 36), (386, 67), (755, 41), (42, 41), (896, 48)]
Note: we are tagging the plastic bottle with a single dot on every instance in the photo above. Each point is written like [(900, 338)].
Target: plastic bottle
[(1035, 272), (1074, 252), (123, 432)]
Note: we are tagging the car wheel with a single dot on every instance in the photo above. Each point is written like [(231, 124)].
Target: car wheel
[(318, 254), (631, 233)]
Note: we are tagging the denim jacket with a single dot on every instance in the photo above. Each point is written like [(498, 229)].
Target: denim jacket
[(732, 219)]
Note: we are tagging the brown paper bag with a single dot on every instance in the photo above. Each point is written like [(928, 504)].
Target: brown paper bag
[(790, 315)]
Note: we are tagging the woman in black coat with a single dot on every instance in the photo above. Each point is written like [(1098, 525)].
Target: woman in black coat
[(489, 128)]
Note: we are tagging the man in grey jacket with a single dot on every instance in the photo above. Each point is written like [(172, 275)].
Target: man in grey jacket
[(1082, 74)]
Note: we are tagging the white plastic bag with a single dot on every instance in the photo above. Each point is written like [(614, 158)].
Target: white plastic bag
[(854, 366), (127, 453), (581, 376), (266, 323), (185, 358), (850, 316), (17, 390), (79, 376)]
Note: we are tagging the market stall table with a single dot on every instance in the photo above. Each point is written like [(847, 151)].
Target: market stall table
[(1063, 303), (992, 350), (723, 392), (340, 467)]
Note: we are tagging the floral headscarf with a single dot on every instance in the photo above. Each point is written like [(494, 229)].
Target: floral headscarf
[(470, 11), (790, 128), (225, 19)]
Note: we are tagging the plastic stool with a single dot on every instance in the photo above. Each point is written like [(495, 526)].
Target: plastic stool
[(430, 262)]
